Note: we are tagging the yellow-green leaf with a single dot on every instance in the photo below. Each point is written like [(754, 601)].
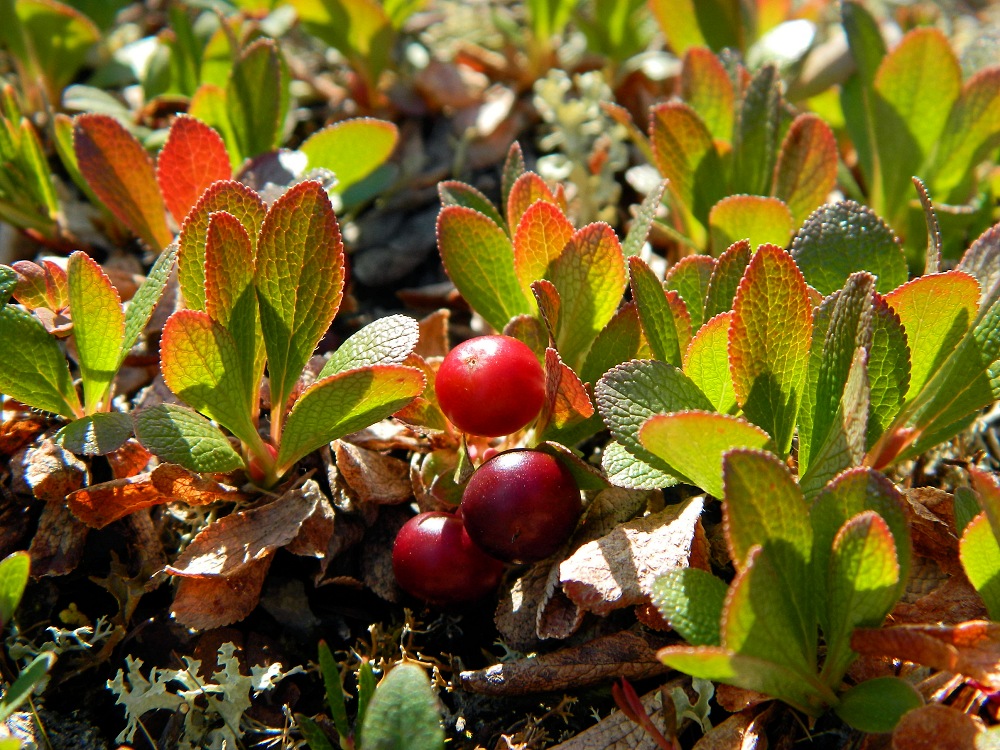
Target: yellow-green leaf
[(351, 149), (33, 369), (98, 328), (706, 362), (755, 218), (806, 171)]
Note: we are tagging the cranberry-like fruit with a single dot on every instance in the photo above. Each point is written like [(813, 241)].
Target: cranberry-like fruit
[(434, 560), (490, 386), (521, 505)]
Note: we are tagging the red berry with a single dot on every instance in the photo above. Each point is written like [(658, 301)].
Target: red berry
[(490, 386), (521, 505), (434, 560)]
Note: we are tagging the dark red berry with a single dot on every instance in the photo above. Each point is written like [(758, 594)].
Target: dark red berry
[(490, 386), (434, 560), (521, 505)]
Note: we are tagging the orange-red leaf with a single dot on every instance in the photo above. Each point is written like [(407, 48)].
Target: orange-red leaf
[(193, 157), (527, 189), (539, 238), (806, 171)]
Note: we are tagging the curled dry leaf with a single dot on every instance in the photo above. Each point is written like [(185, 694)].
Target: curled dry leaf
[(128, 460), (936, 727), (57, 547), (315, 533), (618, 732), (217, 601), (47, 471), (375, 477), (618, 570), (517, 609), (376, 552), (971, 648), (18, 432), (433, 341), (190, 487), (624, 654)]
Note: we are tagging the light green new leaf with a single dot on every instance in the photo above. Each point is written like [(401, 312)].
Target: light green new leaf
[(343, 403), (755, 218), (359, 29), (33, 369), (403, 713), (690, 277), (257, 98), (686, 23), (979, 552), (14, 571), (351, 149), (706, 362), (140, 307), (181, 436), (98, 327), (479, 259), (876, 706), (864, 39), (691, 600), (300, 282), (8, 282), (666, 323), (386, 341), (25, 683), (694, 442), (334, 691), (96, 434)]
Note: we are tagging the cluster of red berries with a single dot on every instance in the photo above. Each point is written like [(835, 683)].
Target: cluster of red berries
[(518, 506)]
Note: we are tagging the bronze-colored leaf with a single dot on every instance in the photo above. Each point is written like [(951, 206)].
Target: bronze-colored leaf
[(47, 471), (128, 460), (970, 648), (315, 533), (216, 601), (618, 570), (375, 477), (433, 340), (18, 432), (742, 731), (936, 727), (517, 611), (376, 552), (190, 487), (624, 654), (106, 502), (57, 547)]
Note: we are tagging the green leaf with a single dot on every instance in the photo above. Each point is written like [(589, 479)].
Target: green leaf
[(864, 39), (343, 403), (513, 168), (979, 551), (806, 172), (621, 340), (888, 370), (851, 494), (98, 327), (623, 469), (690, 277), (334, 691), (589, 275), (312, 734), (386, 341), (966, 504), (360, 29), (686, 156), (539, 239), (749, 217), (366, 689), (14, 572), (686, 23), (179, 435), (988, 495), (351, 149), (256, 98), (876, 706), (300, 283), (769, 342), (479, 259), (665, 321), (120, 172), (527, 190), (33, 369), (232, 197), (208, 104), (729, 270), (200, 363), (26, 683), (706, 362), (692, 444), (936, 311), (639, 230), (862, 586), (96, 434), (707, 88), (755, 138), (627, 395), (141, 306), (8, 282), (839, 239), (403, 714), (455, 193), (691, 600)]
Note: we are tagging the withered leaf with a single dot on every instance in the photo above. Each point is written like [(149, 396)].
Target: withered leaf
[(18, 432), (235, 542), (618, 570), (106, 502), (57, 547), (951, 601), (742, 731), (936, 727), (624, 654), (215, 601), (618, 732), (970, 648), (128, 460), (316, 531), (558, 615), (517, 610), (47, 471), (376, 552), (190, 487), (375, 477), (433, 341)]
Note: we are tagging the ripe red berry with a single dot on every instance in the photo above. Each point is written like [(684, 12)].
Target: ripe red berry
[(521, 505), (434, 560), (490, 386)]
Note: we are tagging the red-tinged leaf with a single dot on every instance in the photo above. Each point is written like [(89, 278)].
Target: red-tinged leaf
[(693, 442), (120, 172), (806, 171), (706, 362), (479, 259), (665, 321), (526, 190), (888, 370), (567, 403), (549, 305), (41, 285), (201, 365), (590, 278), (232, 197), (729, 270), (193, 157), (300, 283), (706, 86), (936, 310), (351, 149), (513, 167), (539, 239), (686, 155), (750, 217), (986, 487), (98, 328), (690, 277), (769, 342)]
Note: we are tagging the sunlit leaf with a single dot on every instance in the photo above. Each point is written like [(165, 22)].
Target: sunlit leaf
[(455, 193), (140, 307), (686, 156), (706, 362), (756, 134), (621, 340), (979, 552), (403, 714), (567, 403), (360, 29), (351, 149), (691, 601), (528, 189), (193, 157), (806, 172), (97, 434), (689, 277), (33, 369), (687, 23), (14, 571), (877, 705), (181, 436), (643, 220), (749, 217), (256, 98), (98, 327), (43, 284), (706, 86), (539, 238), (729, 270), (665, 321)]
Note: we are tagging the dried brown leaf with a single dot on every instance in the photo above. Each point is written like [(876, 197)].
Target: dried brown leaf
[(216, 601), (128, 460), (936, 727), (517, 610), (618, 732), (433, 341), (932, 526), (57, 547), (106, 502), (189, 487), (18, 432), (742, 731), (618, 570), (735, 699), (952, 601), (376, 552), (558, 615), (624, 654), (315, 533), (234, 542), (374, 477), (47, 471), (971, 648)]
